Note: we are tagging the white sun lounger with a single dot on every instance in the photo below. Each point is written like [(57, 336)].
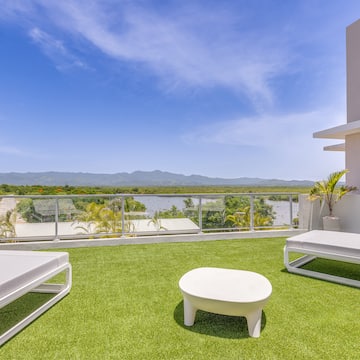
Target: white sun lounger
[(333, 245), (27, 271)]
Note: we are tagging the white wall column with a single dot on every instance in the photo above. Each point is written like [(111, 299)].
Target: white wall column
[(352, 142), (352, 155), (350, 132)]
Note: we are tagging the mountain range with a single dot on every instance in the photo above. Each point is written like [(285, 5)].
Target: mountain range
[(137, 178)]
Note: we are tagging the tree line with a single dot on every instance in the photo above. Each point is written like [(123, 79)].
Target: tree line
[(8, 189)]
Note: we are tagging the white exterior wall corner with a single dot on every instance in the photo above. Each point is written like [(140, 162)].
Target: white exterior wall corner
[(309, 213), (353, 71), (352, 142), (347, 209), (352, 155)]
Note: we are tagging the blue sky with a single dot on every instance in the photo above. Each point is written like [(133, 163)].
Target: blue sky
[(227, 88)]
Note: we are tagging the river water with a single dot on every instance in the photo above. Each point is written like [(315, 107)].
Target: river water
[(157, 203)]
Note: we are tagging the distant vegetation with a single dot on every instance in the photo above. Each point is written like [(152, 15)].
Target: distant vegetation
[(6, 189)]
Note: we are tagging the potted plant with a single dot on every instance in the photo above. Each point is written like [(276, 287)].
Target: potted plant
[(330, 193)]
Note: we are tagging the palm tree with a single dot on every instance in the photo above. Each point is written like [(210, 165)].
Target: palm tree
[(239, 218), (7, 227), (156, 221), (328, 191), (99, 218)]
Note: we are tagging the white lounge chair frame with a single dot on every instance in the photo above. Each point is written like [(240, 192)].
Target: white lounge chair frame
[(36, 283), (331, 245)]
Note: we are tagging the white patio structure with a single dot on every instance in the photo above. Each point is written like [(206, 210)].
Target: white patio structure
[(349, 132), (349, 206)]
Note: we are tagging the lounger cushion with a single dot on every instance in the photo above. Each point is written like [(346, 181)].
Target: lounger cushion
[(18, 268), (331, 242)]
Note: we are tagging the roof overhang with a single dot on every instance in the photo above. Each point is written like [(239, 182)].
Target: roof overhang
[(339, 132), (336, 147)]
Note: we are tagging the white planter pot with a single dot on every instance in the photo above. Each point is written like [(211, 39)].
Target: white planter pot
[(331, 223)]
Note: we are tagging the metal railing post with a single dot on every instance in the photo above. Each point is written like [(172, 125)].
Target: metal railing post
[(56, 220), (251, 212), (122, 216), (291, 211), (200, 213)]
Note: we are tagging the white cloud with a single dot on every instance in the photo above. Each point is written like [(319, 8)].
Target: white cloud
[(283, 142), (18, 150), (11, 9), (11, 150), (184, 48), (264, 130), (56, 50)]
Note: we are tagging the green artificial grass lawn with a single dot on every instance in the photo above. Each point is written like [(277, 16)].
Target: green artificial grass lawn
[(125, 304)]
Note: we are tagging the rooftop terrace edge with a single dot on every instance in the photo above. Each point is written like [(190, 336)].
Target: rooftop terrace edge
[(141, 240)]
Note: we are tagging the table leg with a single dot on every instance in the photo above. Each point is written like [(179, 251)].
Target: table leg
[(189, 313), (254, 323)]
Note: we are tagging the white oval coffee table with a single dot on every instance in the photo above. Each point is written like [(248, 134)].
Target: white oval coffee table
[(226, 292)]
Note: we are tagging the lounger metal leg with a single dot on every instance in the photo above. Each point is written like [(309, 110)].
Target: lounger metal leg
[(56, 288), (295, 267), (60, 290)]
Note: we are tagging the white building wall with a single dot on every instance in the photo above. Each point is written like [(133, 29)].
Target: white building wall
[(350, 132), (353, 71), (352, 142), (352, 156), (347, 209)]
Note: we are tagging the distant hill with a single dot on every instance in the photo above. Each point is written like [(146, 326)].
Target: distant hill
[(137, 178)]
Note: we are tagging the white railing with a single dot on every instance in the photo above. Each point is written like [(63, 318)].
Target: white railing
[(62, 217)]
